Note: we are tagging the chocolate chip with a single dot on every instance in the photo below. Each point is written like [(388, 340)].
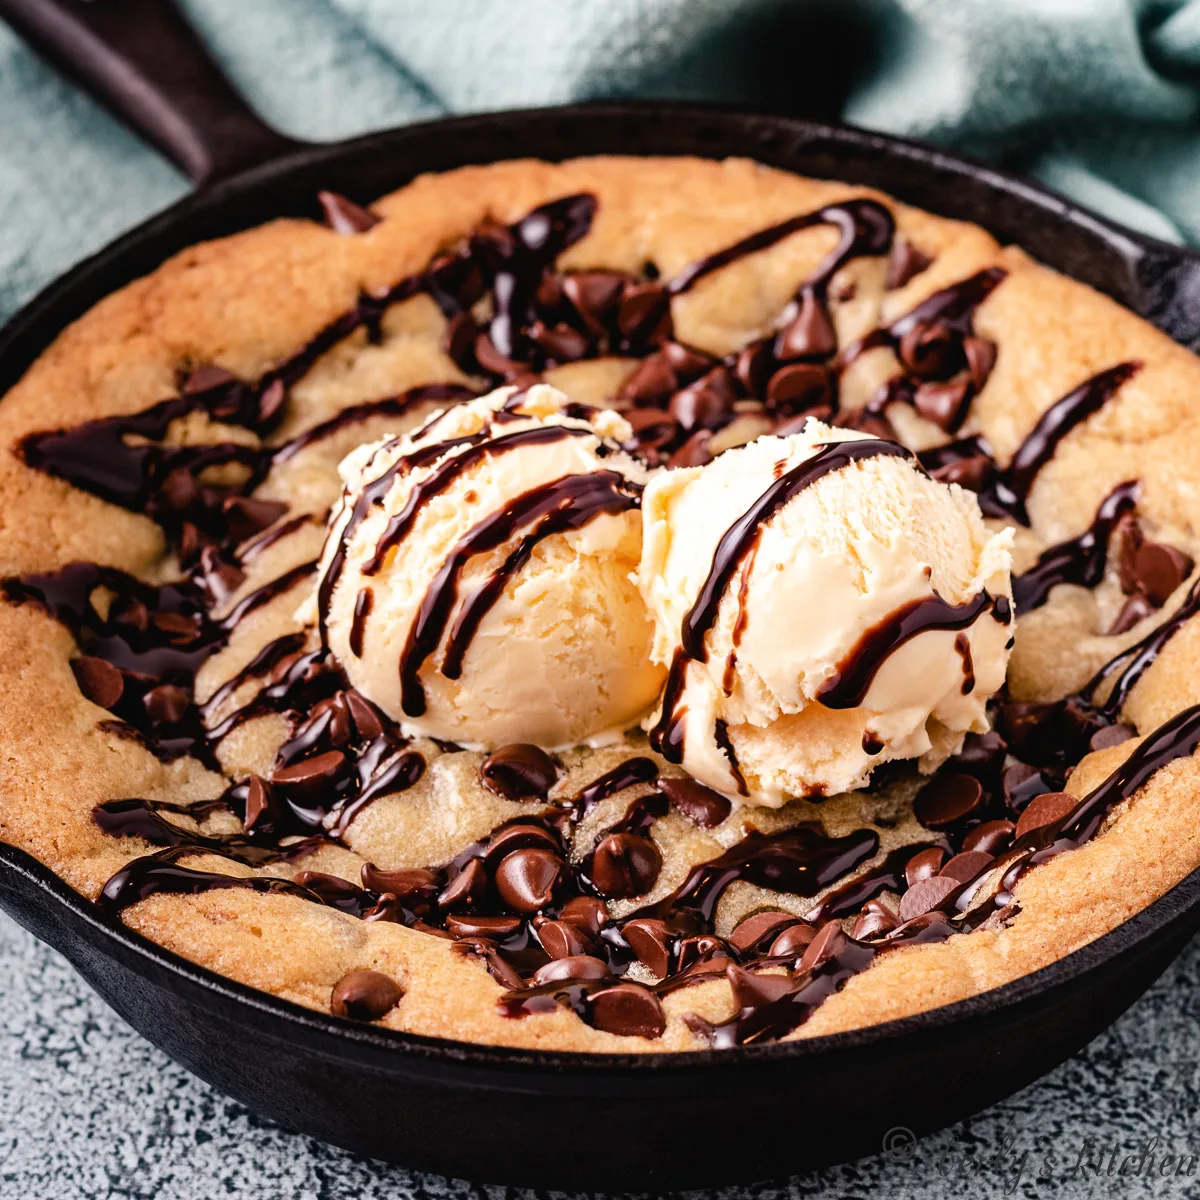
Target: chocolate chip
[(587, 913), (700, 949), (458, 342), (1129, 538), (518, 771), (562, 939), (1046, 809), (405, 882), (828, 941), (1135, 610), (344, 216), (388, 908), (561, 344), (651, 427), (755, 928), (130, 612), (579, 966), (943, 403), (595, 295), (207, 377), (991, 837), (498, 967), (1021, 783), (797, 387), (971, 473), (925, 864), (331, 888), (874, 919), (310, 775), (650, 939), (1159, 570), (260, 803), (625, 864), (456, 281), (1111, 735), (965, 866), (549, 293), (981, 358), (467, 889), (271, 402), (753, 368), (221, 579), (365, 715), (492, 361), (687, 363), (338, 730), (166, 704), (904, 262), (751, 990), (707, 403), (179, 627), (793, 941), (628, 1010), (246, 516), (700, 804), (928, 351), (946, 799), (364, 996), (810, 335), (519, 836), (526, 879), (925, 896), (694, 452), (644, 314), (487, 927), (651, 382), (98, 680)]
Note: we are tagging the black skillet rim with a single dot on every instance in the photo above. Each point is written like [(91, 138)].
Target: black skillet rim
[(60, 303)]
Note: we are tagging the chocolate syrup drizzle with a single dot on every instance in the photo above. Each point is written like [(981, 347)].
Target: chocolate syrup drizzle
[(1080, 560), (142, 646)]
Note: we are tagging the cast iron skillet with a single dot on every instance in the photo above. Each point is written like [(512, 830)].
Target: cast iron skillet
[(572, 1121)]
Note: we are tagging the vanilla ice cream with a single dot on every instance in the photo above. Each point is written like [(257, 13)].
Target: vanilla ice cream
[(477, 580), (824, 606)]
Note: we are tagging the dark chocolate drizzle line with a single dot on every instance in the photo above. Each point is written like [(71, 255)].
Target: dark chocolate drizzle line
[(145, 877), (565, 504), (742, 535), (357, 414), (444, 476), (1012, 487), (363, 603), (721, 737), (866, 228), (371, 496), (1133, 662), (1080, 560), (847, 687), (803, 860)]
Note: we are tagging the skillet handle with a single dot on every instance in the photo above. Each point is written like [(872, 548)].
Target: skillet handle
[(146, 64)]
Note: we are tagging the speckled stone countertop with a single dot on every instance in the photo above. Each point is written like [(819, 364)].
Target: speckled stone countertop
[(90, 1110)]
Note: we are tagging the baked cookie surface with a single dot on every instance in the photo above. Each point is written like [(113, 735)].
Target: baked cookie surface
[(180, 747)]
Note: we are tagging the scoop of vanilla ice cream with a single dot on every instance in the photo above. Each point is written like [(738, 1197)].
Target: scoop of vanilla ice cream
[(477, 580), (813, 569)]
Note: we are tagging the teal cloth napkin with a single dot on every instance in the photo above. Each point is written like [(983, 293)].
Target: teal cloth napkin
[(1097, 98)]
